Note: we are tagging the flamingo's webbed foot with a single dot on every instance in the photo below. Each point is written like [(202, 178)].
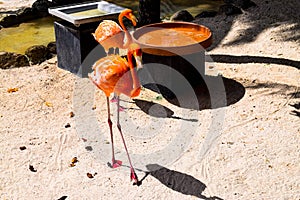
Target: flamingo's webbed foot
[(121, 108), (114, 99), (116, 163), (134, 177)]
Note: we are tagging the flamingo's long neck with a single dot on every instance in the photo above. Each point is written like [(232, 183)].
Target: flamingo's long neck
[(136, 82), (127, 34)]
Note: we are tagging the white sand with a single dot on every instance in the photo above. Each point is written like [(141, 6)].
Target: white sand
[(255, 156)]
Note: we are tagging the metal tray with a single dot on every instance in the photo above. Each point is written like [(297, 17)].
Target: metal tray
[(84, 13)]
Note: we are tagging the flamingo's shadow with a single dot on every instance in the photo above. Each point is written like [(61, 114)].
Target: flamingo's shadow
[(180, 182)]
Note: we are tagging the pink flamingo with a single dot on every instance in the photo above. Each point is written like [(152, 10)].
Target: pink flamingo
[(111, 75)]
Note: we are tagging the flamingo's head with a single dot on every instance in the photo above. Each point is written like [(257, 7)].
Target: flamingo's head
[(129, 15)]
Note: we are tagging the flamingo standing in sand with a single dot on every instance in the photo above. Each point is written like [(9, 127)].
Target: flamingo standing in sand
[(114, 74), (110, 35)]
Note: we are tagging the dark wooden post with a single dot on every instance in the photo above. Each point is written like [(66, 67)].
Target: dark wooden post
[(149, 12)]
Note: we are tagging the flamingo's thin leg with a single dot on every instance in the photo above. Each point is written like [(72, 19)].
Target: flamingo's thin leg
[(115, 163), (133, 175), (116, 51)]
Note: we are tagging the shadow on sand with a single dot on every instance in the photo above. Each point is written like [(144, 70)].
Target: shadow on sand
[(180, 182), (254, 59), (232, 93)]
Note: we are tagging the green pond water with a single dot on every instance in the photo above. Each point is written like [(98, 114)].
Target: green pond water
[(41, 31), (18, 39)]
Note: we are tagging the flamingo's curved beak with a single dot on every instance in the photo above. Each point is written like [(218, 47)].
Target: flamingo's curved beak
[(133, 19)]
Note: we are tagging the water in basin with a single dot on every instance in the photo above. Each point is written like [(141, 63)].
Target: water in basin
[(177, 36)]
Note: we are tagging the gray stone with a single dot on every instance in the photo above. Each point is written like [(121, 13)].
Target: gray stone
[(182, 15), (52, 47), (10, 60), (206, 14), (244, 4), (229, 9), (37, 54), (9, 20), (26, 14), (41, 7)]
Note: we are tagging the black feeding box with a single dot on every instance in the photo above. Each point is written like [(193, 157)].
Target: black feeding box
[(77, 49)]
